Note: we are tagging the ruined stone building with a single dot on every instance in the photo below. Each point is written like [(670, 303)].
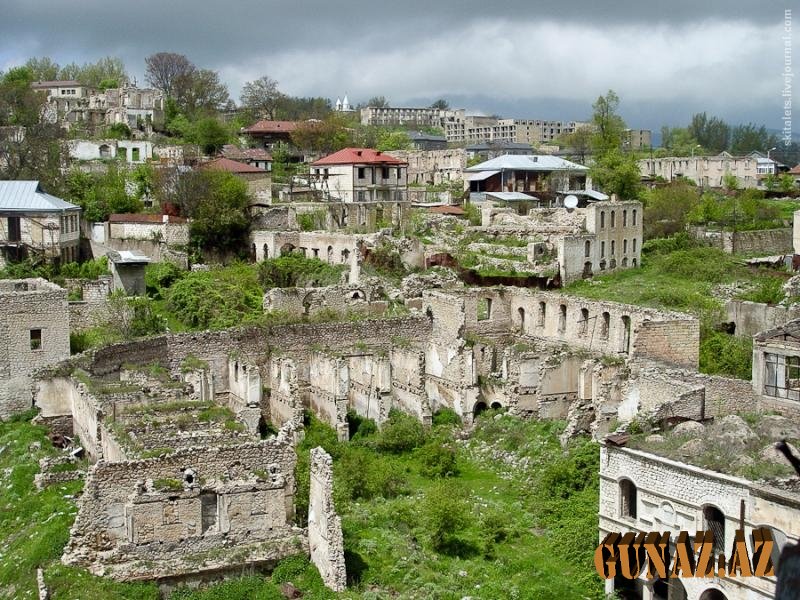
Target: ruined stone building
[(34, 327), (705, 171), (34, 223), (602, 237)]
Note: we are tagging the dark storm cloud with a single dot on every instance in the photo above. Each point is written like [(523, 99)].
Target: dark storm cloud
[(500, 53)]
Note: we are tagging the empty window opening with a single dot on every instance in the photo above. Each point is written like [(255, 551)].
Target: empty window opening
[(14, 230), (584, 322), (624, 218), (562, 318), (613, 247), (633, 245), (613, 218), (208, 511), (605, 325), (624, 246), (36, 339), (587, 249), (633, 215), (542, 313), (602, 219), (627, 499), (521, 314), (602, 249), (714, 521), (626, 334), (484, 309), (587, 270)]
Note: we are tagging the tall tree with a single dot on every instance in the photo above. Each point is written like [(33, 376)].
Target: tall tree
[(749, 137), (201, 91), (262, 97), (609, 126), (378, 102), (711, 133), (106, 72), (441, 104), (164, 69), (43, 69)]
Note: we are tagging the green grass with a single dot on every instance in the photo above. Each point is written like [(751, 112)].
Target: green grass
[(530, 530)]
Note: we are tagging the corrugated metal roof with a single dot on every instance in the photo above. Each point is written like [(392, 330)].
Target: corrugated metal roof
[(524, 162), (511, 196), (27, 196), (482, 175)]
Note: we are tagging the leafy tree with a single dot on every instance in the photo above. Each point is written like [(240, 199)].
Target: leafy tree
[(711, 133), (210, 134), (749, 137), (667, 208), (678, 141), (217, 203), (326, 136), (163, 70), (393, 140), (441, 104), (101, 194), (579, 141), (617, 173), (43, 69), (378, 102), (106, 72), (730, 182), (200, 92), (609, 126), (301, 109), (786, 183), (262, 97)]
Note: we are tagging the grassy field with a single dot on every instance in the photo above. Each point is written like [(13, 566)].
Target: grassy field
[(504, 514)]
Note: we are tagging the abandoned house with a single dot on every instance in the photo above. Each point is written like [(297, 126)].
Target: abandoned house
[(34, 327), (35, 224)]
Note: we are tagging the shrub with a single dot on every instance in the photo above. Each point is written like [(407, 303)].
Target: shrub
[(295, 270), (446, 416), (160, 276), (768, 291), (400, 433), (445, 514), (218, 298), (724, 354), (438, 459)]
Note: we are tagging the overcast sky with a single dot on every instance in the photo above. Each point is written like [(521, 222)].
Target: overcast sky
[(518, 58)]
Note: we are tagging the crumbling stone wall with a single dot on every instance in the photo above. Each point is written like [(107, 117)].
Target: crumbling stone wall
[(174, 515), (34, 327), (329, 385), (325, 538), (763, 241), (354, 298), (433, 167), (751, 318)]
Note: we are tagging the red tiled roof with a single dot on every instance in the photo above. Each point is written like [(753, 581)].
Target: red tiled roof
[(447, 210), (795, 170), (267, 126), (231, 166), (358, 156), (143, 218), (234, 153)]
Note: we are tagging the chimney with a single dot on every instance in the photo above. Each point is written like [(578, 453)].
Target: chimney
[(358, 152), (378, 153)]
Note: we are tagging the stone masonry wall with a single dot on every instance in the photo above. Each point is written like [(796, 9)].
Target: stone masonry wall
[(34, 329), (325, 538)]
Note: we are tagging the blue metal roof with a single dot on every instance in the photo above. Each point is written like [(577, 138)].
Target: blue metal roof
[(28, 196)]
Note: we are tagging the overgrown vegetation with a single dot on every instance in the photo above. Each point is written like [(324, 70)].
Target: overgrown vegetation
[(679, 274), (295, 270)]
